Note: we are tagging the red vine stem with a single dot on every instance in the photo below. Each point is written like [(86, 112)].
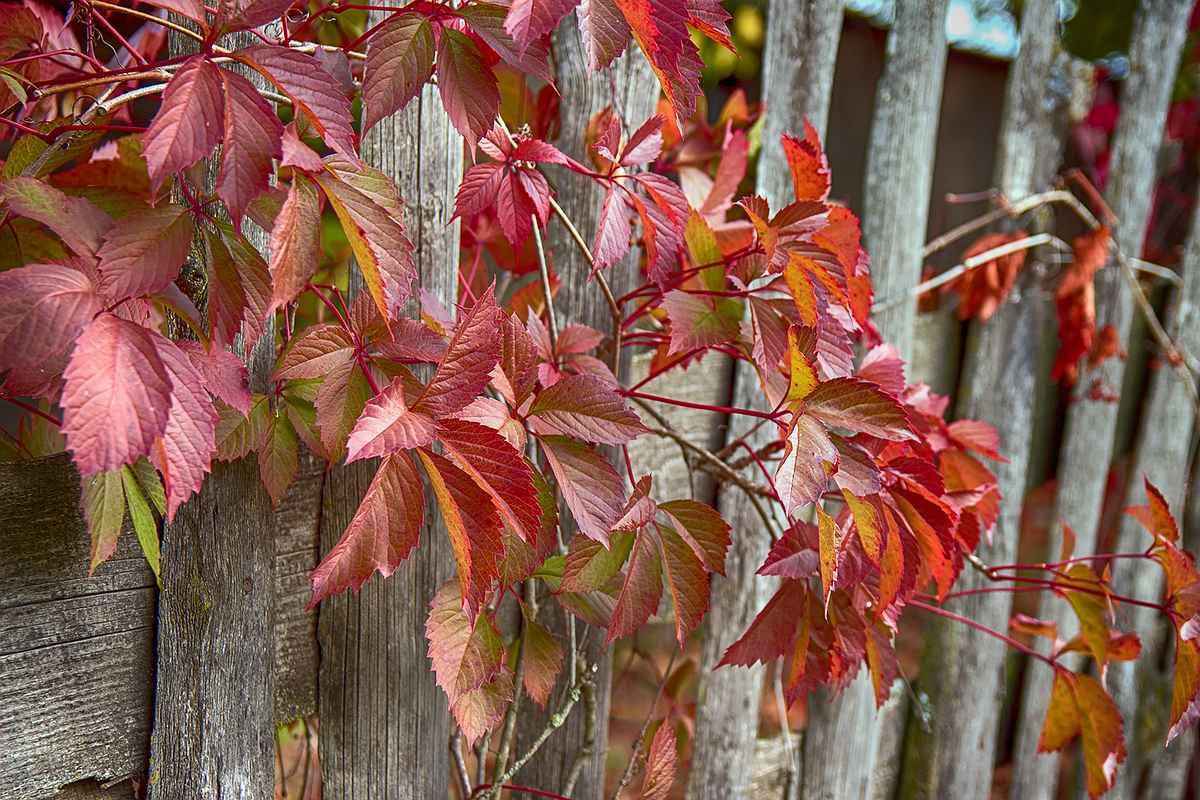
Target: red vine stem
[(34, 410), (674, 401), (979, 626)]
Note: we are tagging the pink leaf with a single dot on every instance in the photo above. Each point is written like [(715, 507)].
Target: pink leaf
[(223, 372), (587, 408), (531, 19), (117, 395), (189, 121), (77, 222), (310, 87), (808, 462), (641, 590), (604, 32), (661, 764), (465, 369), (295, 241), (48, 305), (144, 251), (387, 424), (184, 452), (591, 487), (369, 207), (251, 140), (399, 62), (612, 231)]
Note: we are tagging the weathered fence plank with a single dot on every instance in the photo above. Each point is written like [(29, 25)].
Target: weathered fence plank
[(76, 653), (385, 725), (843, 737), (1163, 453), (802, 42), (213, 733), (951, 753), (1087, 449), (629, 87)]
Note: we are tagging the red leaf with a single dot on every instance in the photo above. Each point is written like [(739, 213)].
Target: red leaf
[(590, 566), (224, 374), (473, 525), (466, 367), (881, 661), (387, 424), (660, 28), (587, 408), (686, 578), (188, 123), (295, 153), (858, 406), (641, 589), (698, 321), (498, 469), (1075, 302), (661, 764), (47, 306), (531, 19), (770, 634), (184, 452), (341, 399), (382, 533), (604, 32), (117, 395), (399, 62), (77, 222), (806, 161), (807, 463), (1156, 515), (251, 140), (313, 91), (314, 353), (543, 660), (702, 527), (295, 241), (470, 92), (986, 286), (612, 231), (144, 250), (591, 487)]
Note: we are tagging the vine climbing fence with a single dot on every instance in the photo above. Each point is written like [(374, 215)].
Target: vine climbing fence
[(95, 670)]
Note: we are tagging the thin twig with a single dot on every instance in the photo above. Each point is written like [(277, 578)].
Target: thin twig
[(547, 289), (463, 782), (510, 717), (635, 754), (556, 721)]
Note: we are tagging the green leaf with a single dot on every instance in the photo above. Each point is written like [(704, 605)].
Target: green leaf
[(151, 484), (144, 524)]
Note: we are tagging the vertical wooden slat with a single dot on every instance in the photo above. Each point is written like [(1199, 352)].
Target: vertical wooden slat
[(384, 723), (802, 40), (1163, 452), (629, 87), (1159, 30), (900, 163), (213, 730), (843, 737), (962, 672)]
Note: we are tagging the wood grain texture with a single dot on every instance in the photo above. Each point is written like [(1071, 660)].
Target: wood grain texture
[(297, 546), (213, 732), (952, 751), (629, 87), (843, 738), (1087, 448), (384, 723), (76, 653), (900, 162), (802, 42), (1164, 450)]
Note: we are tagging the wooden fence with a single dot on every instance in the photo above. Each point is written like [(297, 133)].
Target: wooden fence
[(232, 651)]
